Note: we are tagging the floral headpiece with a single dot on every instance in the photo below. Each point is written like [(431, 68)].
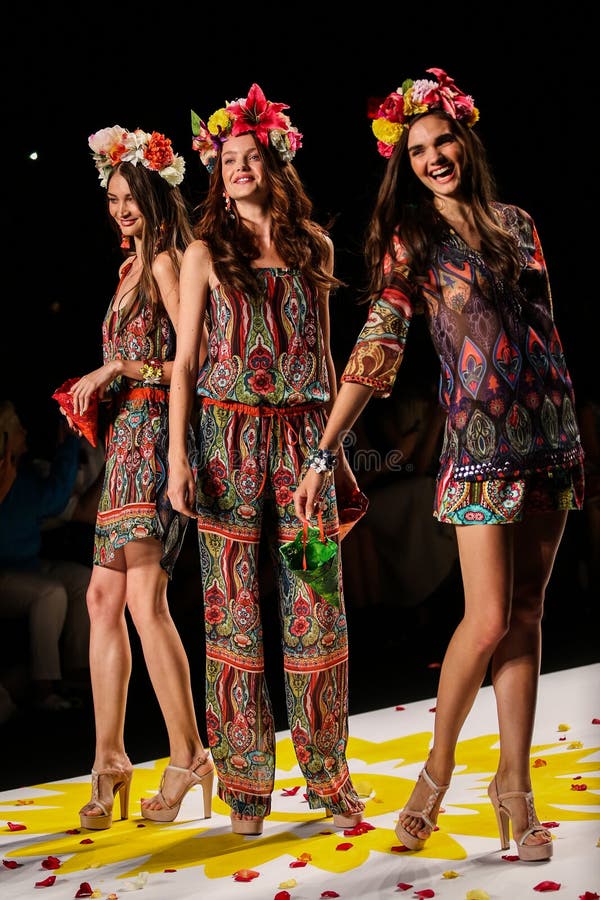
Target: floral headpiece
[(414, 98), (111, 146), (252, 113)]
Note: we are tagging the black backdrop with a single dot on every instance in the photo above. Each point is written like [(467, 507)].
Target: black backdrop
[(68, 72)]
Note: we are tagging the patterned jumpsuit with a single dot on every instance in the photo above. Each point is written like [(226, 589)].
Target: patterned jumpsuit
[(133, 503), (263, 387)]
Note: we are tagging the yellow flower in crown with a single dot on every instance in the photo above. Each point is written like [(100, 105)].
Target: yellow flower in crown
[(254, 113), (393, 115)]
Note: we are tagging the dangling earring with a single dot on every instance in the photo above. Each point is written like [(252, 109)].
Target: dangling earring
[(125, 242), (228, 209)]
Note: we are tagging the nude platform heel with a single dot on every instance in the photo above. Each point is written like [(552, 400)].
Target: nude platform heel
[(436, 792), (169, 811), (121, 784), (527, 852), (252, 825)]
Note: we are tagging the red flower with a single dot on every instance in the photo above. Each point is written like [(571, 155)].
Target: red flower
[(158, 153), (257, 114)]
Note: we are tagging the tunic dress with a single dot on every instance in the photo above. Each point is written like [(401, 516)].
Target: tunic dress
[(263, 390), (133, 503), (504, 381)]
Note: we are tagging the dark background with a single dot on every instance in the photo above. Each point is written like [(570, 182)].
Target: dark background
[(68, 72)]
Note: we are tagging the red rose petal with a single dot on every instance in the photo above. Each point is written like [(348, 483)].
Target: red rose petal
[(403, 886), (400, 708), (297, 864), (330, 894), (547, 886), (550, 824), (562, 738), (425, 894), (510, 857), (169, 870), (400, 848), (576, 777), (140, 825), (282, 895), (11, 864), (73, 831), (245, 875), (85, 890), (290, 792), (360, 828), (14, 826), (47, 882), (589, 896), (86, 841), (595, 721), (345, 846), (433, 709), (51, 862), (579, 787)]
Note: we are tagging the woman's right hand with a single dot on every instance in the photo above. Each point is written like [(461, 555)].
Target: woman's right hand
[(95, 381), (181, 489), (307, 495)]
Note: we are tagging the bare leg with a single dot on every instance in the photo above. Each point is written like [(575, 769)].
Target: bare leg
[(166, 660), (485, 553), (516, 661)]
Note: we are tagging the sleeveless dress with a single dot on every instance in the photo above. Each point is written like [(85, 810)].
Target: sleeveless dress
[(134, 503)]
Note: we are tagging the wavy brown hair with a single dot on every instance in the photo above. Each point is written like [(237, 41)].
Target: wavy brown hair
[(299, 239), (167, 227), (405, 205)]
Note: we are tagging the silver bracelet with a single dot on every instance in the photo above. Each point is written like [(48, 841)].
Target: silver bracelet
[(322, 460)]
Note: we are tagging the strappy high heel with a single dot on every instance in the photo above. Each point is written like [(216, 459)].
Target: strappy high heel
[(169, 810), (103, 797), (527, 852), (436, 793), (250, 825)]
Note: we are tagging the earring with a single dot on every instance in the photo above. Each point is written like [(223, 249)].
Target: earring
[(125, 242), (228, 209)]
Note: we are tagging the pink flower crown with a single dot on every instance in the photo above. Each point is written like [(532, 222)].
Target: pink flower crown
[(111, 146), (391, 117), (252, 113)]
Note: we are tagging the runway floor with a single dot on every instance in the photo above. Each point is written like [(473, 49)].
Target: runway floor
[(300, 856)]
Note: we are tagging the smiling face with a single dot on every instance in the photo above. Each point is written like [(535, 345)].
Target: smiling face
[(436, 155), (122, 207), (242, 169)]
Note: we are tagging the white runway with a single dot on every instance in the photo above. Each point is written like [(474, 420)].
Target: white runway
[(299, 856)]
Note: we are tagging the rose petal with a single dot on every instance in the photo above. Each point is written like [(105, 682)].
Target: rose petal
[(547, 886), (400, 848), (400, 708), (589, 896), (574, 745), (562, 739), (290, 883), (576, 777), (307, 857), (579, 787), (537, 763), (595, 721), (11, 864), (290, 792), (47, 882), (427, 892), (86, 841), (15, 826), (169, 870), (140, 825), (282, 895), (73, 831), (477, 895), (85, 890), (245, 875), (51, 862), (550, 824), (433, 709), (403, 886), (345, 846), (297, 864), (563, 727), (326, 894), (450, 874), (510, 857), (24, 803)]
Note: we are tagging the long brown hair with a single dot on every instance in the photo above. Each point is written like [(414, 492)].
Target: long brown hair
[(405, 205), (299, 240), (167, 227)]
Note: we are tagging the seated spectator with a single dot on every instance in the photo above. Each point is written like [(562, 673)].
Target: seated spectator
[(51, 593)]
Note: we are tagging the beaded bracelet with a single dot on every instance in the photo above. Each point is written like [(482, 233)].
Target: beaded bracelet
[(322, 460), (151, 371)]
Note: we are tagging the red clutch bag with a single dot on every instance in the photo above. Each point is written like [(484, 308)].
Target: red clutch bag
[(86, 423), (351, 508)]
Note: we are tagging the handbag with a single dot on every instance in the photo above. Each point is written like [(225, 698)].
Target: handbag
[(314, 559), (351, 508), (87, 422)]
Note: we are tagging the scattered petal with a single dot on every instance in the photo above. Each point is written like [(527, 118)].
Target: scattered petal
[(292, 883), (23, 802), (510, 857), (450, 874), (359, 828), (326, 894), (307, 857), (96, 894), (86, 841), (113, 897), (169, 870), (576, 777), (563, 727), (363, 788), (51, 862), (15, 826), (595, 721), (345, 846), (47, 882), (282, 895), (140, 825), (85, 890), (403, 886), (433, 709), (579, 787), (297, 864), (589, 896), (562, 738), (290, 792), (547, 886), (400, 708), (137, 884), (400, 848), (477, 894), (73, 831), (245, 875), (538, 763), (11, 864), (550, 824), (574, 745), (425, 894)]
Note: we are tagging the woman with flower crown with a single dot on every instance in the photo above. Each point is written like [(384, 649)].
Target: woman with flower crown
[(440, 243), (138, 535), (259, 274)]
